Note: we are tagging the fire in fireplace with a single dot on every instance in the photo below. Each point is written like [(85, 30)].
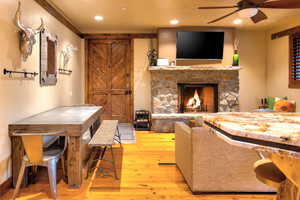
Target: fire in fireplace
[(194, 102), (198, 98)]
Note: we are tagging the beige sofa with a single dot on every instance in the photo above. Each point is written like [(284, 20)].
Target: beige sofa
[(209, 164)]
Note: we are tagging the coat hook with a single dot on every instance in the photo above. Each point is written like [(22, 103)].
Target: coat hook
[(10, 72)]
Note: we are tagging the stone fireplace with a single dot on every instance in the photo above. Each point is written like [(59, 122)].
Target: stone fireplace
[(218, 88), (195, 97)]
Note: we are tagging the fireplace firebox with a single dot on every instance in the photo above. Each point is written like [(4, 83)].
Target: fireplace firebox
[(194, 97)]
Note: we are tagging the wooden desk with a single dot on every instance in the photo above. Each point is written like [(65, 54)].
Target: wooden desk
[(74, 119), (275, 134)]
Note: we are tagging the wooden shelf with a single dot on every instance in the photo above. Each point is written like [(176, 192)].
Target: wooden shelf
[(193, 68)]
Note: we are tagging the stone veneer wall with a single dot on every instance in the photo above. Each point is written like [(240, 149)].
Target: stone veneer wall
[(165, 91)]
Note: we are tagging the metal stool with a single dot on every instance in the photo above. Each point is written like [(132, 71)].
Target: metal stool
[(37, 156)]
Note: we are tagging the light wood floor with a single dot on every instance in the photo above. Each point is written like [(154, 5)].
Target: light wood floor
[(141, 177)]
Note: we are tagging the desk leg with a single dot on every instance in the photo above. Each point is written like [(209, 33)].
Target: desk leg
[(74, 168), (17, 156)]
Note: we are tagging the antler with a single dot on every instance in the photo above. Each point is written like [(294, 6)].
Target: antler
[(40, 28), (18, 19), (23, 27)]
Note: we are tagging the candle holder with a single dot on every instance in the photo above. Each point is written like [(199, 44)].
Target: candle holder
[(236, 58)]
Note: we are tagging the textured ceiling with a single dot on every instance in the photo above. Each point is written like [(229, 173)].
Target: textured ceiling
[(148, 15)]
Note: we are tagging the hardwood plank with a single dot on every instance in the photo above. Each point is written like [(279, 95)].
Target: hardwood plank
[(60, 17), (141, 177)]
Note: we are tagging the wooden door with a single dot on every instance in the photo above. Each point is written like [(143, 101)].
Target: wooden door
[(109, 78)]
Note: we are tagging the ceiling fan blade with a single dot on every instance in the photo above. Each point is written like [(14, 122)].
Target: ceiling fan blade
[(260, 16), (283, 4), (213, 21), (256, 2), (217, 7)]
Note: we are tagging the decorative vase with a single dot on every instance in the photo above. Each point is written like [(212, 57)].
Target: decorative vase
[(236, 58), (152, 56)]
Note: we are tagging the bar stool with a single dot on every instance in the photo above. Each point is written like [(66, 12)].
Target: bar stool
[(37, 155), (268, 173)]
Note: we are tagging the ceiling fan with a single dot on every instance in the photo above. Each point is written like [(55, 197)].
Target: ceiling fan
[(251, 8)]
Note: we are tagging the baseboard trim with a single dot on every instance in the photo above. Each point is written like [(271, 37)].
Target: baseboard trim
[(4, 187)]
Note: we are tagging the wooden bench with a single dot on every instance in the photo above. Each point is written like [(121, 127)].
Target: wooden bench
[(104, 138)]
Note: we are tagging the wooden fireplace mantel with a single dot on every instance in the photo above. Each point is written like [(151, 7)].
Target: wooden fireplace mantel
[(194, 68)]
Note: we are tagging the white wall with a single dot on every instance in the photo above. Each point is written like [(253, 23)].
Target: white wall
[(22, 98), (278, 64), (142, 76), (252, 50)]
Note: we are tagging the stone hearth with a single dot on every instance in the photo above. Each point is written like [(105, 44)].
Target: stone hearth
[(164, 87)]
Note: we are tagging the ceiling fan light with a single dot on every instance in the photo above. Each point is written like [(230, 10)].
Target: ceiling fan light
[(248, 12), (237, 21)]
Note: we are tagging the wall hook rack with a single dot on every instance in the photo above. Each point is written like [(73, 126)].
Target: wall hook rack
[(26, 74), (64, 71)]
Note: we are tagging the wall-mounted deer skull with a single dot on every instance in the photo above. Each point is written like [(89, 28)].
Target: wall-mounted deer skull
[(27, 35)]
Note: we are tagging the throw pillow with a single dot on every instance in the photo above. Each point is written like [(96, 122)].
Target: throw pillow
[(271, 101), (285, 106)]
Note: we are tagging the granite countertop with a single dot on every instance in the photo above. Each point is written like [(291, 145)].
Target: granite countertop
[(280, 128)]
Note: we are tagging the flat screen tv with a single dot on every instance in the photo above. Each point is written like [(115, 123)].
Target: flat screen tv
[(200, 45)]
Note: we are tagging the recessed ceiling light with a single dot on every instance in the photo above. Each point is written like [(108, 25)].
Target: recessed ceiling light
[(98, 18), (124, 8), (237, 21), (174, 21)]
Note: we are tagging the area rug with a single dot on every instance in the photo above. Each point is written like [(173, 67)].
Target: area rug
[(127, 133)]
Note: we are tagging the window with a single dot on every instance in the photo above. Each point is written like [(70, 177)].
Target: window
[(294, 71)]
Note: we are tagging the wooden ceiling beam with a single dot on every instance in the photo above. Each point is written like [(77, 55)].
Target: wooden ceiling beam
[(52, 11), (107, 36), (286, 32)]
